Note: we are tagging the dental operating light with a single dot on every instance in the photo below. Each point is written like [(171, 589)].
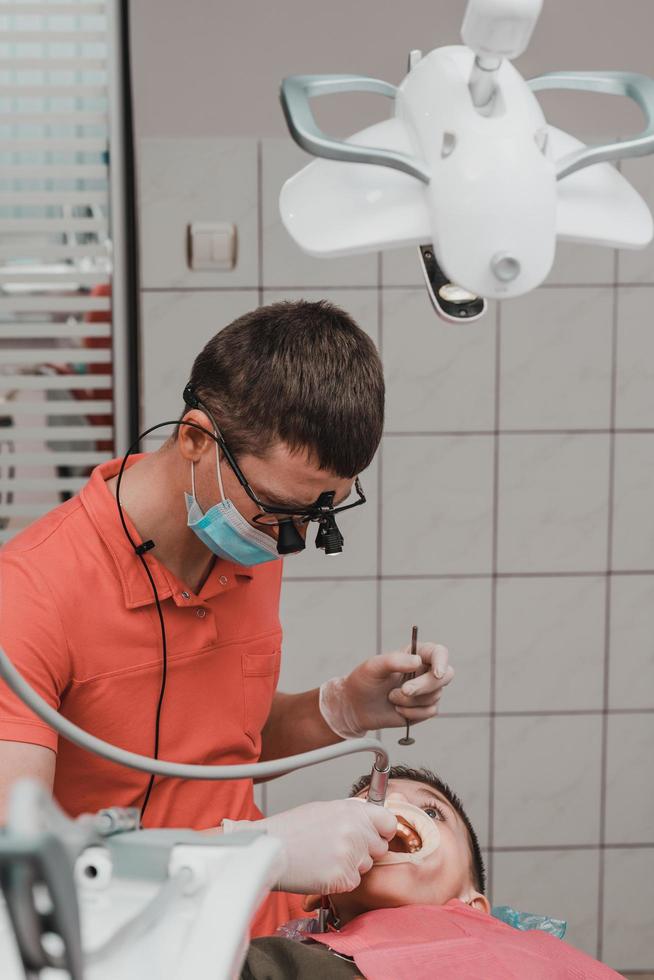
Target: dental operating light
[(468, 168)]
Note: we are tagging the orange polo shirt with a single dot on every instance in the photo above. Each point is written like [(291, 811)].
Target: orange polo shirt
[(78, 619)]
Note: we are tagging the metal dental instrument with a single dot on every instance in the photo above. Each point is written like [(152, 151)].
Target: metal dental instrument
[(407, 740), (379, 781)]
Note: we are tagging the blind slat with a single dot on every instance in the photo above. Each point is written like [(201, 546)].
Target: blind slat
[(64, 458), (56, 355), (72, 118), (56, 9), (17, 90), (68, 171), (38, 278), (73, 407), (54, 382), (52, 198), (54, 36), (59, 433), (55, 252), (54, 304), (73, 483), (18, 63), (76, 329), (50, 226), (81, 144)]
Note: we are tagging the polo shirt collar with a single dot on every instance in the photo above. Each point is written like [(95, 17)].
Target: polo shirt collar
[(100, 505)]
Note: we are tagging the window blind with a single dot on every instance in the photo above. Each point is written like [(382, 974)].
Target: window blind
[(57, 335)]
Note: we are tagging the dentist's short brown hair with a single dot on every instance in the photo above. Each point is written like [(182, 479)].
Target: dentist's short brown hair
[(302, 373)]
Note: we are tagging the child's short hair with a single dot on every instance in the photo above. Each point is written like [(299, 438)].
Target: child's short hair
[(477, 869)]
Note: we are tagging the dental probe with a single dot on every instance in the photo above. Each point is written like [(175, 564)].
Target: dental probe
[(407, 740)]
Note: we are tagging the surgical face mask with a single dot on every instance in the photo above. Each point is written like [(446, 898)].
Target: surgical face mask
[(225, 532)]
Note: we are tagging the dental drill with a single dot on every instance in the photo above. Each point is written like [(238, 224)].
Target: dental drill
[(98, 868), (379, 781), (160, 767)]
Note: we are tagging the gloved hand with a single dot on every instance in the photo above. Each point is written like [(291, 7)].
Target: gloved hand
[(327, 845), (372, 696)]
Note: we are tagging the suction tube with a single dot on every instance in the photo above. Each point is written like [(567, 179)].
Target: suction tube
[(180, 770)]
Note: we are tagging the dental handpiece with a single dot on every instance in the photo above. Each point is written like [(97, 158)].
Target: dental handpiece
[(406, 739), (379, 781)]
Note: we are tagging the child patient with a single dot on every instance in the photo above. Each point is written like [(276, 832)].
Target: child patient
[(421, 911)]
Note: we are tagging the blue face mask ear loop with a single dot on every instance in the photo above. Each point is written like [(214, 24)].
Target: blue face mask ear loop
[(218, 474), (193, 483)]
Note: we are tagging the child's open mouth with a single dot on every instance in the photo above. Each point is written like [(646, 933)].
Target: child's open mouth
[(407, 840), (416, 837)]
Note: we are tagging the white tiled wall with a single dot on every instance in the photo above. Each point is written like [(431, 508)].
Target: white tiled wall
[(559, 883), (510, 515), (556, 359), (435, 392)]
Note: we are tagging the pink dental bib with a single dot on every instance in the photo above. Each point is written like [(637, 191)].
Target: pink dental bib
[(456, 942)]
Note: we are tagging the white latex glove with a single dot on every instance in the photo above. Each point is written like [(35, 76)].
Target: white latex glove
[(372, 696), (327, 846)]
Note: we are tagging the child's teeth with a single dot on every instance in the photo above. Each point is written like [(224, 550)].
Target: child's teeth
[(417, 835), (409, 839)]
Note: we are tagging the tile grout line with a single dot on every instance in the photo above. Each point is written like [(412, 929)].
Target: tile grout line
[(416, 288), (380, 473), (540, 848), (264, 786), (472, 576), (494, 587), (449, 433), (260, 222), (607, 619)]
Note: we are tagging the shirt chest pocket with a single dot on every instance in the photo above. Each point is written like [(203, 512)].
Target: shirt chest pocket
[(260, 676)]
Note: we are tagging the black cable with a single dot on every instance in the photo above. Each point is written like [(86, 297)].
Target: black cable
[(162, 691), (139, 551), (131, 264)]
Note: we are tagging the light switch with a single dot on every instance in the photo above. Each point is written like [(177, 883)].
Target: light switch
[(211, 245)]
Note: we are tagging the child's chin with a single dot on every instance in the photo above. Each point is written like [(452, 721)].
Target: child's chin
[(386, 886)]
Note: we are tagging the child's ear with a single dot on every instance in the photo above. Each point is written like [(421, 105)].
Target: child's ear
[(479, 902)]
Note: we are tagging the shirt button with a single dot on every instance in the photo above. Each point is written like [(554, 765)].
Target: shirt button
[(186, 595), (223, 580), (200, 613)]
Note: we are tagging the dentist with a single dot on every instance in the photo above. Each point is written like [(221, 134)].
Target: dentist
[(153, 621)]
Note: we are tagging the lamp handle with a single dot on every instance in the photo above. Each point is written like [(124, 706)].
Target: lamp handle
[(295, 93), (640, 88)]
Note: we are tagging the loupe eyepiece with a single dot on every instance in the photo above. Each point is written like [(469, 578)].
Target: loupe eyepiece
[(289, 539), (329, 537)]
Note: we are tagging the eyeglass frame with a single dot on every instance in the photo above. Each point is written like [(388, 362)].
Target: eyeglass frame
[(315, 512)]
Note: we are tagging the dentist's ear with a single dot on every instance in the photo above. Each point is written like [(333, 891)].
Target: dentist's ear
[(191, 441), (477, 901)]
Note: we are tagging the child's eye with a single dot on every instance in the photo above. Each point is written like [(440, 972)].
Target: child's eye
[(434, 812)]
